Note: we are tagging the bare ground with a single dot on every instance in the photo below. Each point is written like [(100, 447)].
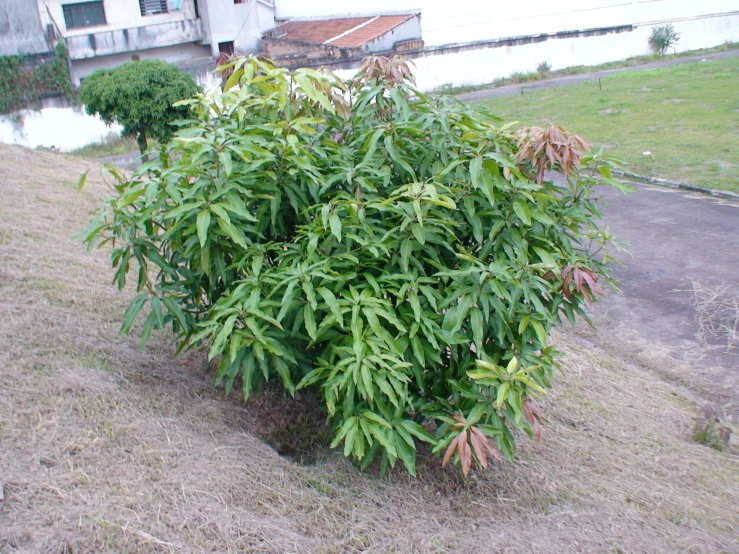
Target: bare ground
[(107, 449)]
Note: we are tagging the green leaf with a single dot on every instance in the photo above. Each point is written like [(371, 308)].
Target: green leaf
[(476, 414), (419, 232), (417, 431), (382, 437), (406, 247), (546, 257), (247, 375), (82, 180), (541, 217), (541, 333), (131, 312), (332, 303), (524, 324), (335, 223), (345, 428), (478, 330), (502, 394), (307, 87), (522, 211), (233, 233), (175, 310), (203, 224), (225, 158), (475, 169), (406, 454)]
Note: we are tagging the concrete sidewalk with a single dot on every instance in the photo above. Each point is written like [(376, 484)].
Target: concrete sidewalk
[(676, 238), (511, 90)]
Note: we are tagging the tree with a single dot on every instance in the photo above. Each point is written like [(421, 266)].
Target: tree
[(401, 253), (139, 96)]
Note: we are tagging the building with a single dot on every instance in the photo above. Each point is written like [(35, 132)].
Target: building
[(106, 33), (309, 41), (22, 30)]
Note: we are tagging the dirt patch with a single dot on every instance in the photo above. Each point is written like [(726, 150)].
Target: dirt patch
[(612, 111), (109, 449)]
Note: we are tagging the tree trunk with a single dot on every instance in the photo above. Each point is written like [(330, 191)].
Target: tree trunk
[(141, 140)]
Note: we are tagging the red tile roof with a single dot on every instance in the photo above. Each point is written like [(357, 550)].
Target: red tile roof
[(344, 33)]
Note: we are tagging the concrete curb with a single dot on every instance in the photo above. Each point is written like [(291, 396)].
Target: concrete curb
[(676, 185)]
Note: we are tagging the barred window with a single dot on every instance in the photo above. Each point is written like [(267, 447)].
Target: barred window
[(83, 14), (152, 7)]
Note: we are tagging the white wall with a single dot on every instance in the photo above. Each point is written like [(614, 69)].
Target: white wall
[(62, 128), (484, 65), (242, 24), (445, 22)]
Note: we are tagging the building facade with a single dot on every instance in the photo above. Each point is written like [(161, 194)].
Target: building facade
[(106, 33)]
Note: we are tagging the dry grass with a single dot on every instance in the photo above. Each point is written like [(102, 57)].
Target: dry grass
[(108, 449), (717, 311)]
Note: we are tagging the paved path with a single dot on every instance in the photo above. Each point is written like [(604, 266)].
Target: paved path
[(512, 90), (130, 160), (676, 238)]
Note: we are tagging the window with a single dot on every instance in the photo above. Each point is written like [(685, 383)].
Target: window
[(83, 14), (239, 2), (152, 7), (226, 48)]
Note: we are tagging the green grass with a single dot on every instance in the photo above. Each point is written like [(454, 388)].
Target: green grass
[(112, 145), (687, 116)]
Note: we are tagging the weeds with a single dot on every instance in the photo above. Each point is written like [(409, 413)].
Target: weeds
[(709, 430)]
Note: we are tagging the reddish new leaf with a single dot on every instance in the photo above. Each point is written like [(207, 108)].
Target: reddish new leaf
[(449, 452), (465, 453), (534, 417), (479, 449), (486, 443)]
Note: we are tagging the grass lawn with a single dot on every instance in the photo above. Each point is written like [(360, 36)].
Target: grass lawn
[(687, 116)]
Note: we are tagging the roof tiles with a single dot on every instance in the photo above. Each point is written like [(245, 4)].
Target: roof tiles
[(344, 33)]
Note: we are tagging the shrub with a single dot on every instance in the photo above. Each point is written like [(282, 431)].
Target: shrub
[(544, 68), (139, 96), (401, 253), (662, 38)]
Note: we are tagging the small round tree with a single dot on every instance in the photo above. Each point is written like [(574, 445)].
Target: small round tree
[(139, 96), (402, 254)]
